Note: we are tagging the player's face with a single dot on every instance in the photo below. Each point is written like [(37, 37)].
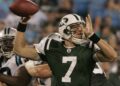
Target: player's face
[(7, 44), (77, 30)]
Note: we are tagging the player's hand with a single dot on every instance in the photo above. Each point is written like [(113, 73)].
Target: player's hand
[(24, 20), (89, 28), (2, 84)]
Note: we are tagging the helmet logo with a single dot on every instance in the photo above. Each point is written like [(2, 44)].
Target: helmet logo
[(65, 20)]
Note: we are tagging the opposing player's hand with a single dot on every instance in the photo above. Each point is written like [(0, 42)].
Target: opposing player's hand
[(2, 84), (89, 28), (25, 19)]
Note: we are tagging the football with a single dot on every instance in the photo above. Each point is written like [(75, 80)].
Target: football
[(24, 8)]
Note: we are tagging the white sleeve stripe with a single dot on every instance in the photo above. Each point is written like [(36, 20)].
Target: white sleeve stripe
[(48, 44), (98, 70), (90, 45), (35, 45)]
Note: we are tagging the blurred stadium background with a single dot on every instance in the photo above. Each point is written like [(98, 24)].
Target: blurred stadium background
[(105, 17)]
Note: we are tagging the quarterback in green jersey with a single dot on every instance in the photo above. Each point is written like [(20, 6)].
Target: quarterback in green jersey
[(71, 54)]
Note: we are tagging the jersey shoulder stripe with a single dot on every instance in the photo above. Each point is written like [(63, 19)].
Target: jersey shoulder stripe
[(45, 42)]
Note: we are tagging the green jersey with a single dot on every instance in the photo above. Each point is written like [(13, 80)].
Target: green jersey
[(70, 66)]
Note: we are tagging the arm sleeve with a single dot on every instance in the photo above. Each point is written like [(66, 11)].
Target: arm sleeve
[(96, 48), (45, 42), (28, 65)]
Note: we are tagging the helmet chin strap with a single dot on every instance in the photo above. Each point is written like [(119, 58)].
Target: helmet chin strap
[(75, 40), (81, 41)]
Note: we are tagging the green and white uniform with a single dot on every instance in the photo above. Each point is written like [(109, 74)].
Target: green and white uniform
[(70, 67)]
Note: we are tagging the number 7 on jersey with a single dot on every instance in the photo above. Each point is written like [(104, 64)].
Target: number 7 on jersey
[(73, 60)]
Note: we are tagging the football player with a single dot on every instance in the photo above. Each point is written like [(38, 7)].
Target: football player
[(25, 74), (69, 53), (11, 61)]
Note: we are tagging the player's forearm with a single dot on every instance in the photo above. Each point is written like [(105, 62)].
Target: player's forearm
[(9, 80), (19, 42), (43, 71), (21, 47), (20, 38), (107, 50), (22, 78)]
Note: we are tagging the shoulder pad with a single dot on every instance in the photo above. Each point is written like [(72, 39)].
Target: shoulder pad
[(55, 36)]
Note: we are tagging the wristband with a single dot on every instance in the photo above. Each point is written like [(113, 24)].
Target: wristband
[(94, 38), (21, 27)]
